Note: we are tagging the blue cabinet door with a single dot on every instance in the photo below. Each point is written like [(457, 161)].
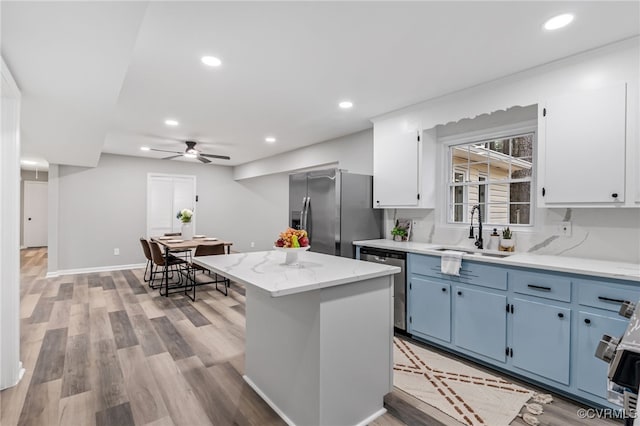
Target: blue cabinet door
[(592, 372), (430, 308), (480, 322), (542, 339)]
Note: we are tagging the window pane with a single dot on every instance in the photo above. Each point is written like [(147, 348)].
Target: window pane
[(499, 145), (498, 214), (521, 168), (520, 214), (522, 146), (478, 172), (520, 192), (458, 213), (498, 169), (460, 154)]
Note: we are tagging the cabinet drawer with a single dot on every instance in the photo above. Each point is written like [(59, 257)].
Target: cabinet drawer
[(541, 284), (603, 295), (474, 273)]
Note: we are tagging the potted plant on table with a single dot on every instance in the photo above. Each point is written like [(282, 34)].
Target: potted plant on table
[(399, 234)]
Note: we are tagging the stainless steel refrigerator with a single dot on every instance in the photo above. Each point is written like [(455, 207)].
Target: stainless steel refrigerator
[(334, 207)]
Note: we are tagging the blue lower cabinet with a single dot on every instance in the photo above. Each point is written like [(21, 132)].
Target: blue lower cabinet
[(591, 374), (480, 322), (430, 308), (542, 339)]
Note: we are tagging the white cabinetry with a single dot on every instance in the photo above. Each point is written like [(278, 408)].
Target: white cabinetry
[(581, 158), (403, 160)]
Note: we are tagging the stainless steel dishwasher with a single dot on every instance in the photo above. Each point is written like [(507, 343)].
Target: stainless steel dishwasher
[(392, 258)]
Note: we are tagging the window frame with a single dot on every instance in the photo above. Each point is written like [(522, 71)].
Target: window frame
[(487, 135)]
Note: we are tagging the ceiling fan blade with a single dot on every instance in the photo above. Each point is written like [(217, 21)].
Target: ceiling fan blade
[(221, 157), (204, 160), (172, 157), (164, 150)]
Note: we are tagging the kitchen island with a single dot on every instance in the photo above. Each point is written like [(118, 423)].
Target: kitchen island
[(318, 335)]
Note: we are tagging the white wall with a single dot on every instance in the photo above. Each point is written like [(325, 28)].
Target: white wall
[(353, 153), (103, 208), (10, 366), (94, 210), (609, 234)]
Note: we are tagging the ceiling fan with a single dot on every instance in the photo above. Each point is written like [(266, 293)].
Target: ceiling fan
[(192, 152)]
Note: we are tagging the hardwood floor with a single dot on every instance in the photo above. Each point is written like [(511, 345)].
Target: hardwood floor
[(104, 349)]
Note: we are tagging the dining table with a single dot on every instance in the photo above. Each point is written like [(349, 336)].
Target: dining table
[(176, 244)]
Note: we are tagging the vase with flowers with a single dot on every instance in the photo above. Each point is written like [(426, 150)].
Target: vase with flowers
[(185, 216)]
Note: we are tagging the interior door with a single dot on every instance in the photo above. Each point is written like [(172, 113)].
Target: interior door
[(323, 212), (166, 194), (35, 214)]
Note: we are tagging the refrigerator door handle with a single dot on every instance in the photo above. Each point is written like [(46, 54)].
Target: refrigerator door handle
[(303, 218), (305, 215)]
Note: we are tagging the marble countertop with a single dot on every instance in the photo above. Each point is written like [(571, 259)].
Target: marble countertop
[(266, 270), (574, 265)]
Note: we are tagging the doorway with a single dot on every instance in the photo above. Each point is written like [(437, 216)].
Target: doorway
[(35, 218), (166, 195)]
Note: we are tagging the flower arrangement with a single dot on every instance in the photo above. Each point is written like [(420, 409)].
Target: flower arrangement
[(185, 215)]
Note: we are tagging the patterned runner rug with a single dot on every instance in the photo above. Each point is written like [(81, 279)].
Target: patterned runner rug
[(471, 396)]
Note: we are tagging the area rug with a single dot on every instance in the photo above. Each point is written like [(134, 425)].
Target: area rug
[(467, 394)]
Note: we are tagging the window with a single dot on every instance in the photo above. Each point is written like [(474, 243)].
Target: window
[(494, 174)]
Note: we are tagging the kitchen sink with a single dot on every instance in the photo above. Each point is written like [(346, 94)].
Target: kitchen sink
[(478, 253)]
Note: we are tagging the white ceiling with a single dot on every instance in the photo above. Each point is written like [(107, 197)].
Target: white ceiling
[(103, 76)]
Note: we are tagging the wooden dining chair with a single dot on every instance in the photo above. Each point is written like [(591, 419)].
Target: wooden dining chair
[(208, 250), (168, 263)]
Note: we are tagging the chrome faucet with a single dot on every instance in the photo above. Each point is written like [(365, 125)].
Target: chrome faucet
[(478, 242)]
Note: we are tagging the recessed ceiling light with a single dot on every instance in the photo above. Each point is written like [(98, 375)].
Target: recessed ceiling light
[(212, 61), (29, 162), (171, 122), (144, 148), (270, 139), (345, 104), (558, 21)]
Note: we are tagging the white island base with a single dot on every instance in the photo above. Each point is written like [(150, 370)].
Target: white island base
[(322, 357)]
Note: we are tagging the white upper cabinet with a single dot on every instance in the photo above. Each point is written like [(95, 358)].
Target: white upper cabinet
[(398, 166), (582, 148)]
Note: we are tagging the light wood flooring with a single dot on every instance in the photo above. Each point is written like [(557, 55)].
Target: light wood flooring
[(104, 349)]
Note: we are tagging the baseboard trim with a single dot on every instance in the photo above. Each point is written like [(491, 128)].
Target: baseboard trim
[(54, 274)]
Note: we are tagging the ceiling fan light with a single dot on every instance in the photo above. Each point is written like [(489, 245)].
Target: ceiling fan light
[(190, 155)]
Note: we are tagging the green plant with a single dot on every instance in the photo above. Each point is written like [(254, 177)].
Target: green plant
[(506, 233), (399, 231)]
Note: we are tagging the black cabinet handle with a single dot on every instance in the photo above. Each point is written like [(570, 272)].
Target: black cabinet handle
[(539, 287), (543, 192), (459, 293), (378, 201), (444, 289), (610, 300), (560, 315), (29, 218), (614, 195), (587, 321)]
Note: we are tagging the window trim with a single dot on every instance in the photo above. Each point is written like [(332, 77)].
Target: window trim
[(529, 126)]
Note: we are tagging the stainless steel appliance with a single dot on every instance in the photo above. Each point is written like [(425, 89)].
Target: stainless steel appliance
[(335, 208), (392, 258)]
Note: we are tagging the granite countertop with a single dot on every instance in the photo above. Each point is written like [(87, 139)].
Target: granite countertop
[(266, 270), (574, 265)]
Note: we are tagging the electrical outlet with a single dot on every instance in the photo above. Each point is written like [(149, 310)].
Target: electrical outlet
[(253, 244), (116, 252), (564, 229)]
